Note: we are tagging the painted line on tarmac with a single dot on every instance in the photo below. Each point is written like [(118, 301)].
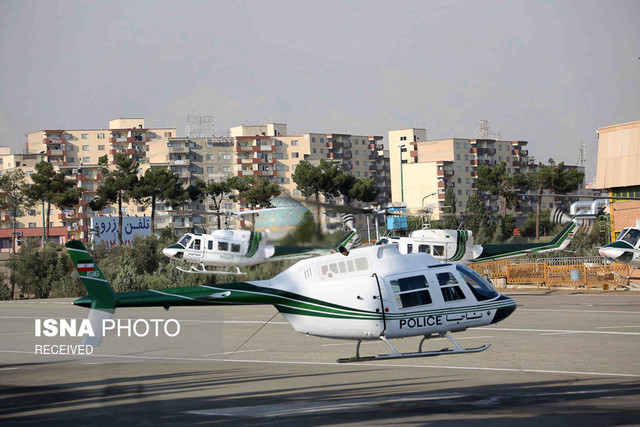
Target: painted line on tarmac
[(579, 311), (346, 365), (558, 331), (615, 327), (233, 352)]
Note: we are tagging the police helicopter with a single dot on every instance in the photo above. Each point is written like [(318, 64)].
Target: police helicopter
[(372, 293), (626, 248), (241, 248)]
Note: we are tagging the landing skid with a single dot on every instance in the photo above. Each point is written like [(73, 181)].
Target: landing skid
[(201, 269), (628, 278), (395, 355)]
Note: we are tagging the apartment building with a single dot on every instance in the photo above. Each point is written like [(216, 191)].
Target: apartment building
[(268, 151), (422, 170), (76, 153)]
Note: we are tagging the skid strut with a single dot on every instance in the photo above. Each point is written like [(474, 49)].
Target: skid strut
[(201, 269), (395, 355)]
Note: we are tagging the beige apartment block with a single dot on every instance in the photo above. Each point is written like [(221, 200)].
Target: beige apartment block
[(618, 171), (266, 150), (421, 167), (76, 153)]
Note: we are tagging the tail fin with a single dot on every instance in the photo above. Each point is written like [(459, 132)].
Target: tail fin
[(347, 242), (101, 299)]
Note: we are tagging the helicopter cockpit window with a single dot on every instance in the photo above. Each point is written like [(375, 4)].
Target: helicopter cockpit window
[(449, 287), (424, 248), (409, 248), (185, 240), (235, 247), (479, 286), (411, 291), (223, 246), (632, 236), (195, 245), (438, 250)]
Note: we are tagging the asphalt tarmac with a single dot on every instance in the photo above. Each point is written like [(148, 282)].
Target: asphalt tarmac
[(560, 359)]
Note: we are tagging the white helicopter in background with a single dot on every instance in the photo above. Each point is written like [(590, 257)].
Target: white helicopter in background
[(372, 293), (625, 249), (242, 248)]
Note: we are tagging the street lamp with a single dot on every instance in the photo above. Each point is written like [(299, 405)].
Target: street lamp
[(401, 146), (428, 195), (43, 217)]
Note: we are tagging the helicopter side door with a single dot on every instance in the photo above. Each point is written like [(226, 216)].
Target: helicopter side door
[(194, 252)]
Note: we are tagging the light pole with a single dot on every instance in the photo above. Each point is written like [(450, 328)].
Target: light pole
[(401, 146), (43, 218)]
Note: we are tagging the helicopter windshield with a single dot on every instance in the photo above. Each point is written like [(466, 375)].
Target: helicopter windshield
[(185, 240), (480, 286), (630, 235)]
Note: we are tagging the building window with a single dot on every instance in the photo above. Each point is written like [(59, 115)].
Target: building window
[(357, 152), (32, 225), (366, 174), (295, 155), (86, 159), (101, 147), (85, 136), (313, 151), (313, 139), (403, 138), (294, 142), (167, 134), (357, 162), (280, 180), (71, 159), (85, 148), (466, 157), (357, 173), (457, 156), (457, 145), (210, 169), (466, 168), (141, 209), (279, 156), (296, 192), (279, 167), (321, 139), (101, 136), (278, 143), (226, 169), (322, 151)]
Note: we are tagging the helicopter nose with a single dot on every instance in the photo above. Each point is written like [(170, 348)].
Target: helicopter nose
[(615, 251), (508, 307), (175, 251)]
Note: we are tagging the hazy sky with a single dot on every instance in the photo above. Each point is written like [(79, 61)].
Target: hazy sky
[(549, 72)]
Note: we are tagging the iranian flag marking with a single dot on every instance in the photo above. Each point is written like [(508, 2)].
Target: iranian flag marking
[(88, 266)]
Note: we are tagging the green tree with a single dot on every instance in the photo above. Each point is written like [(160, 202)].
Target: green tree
[(256, 191), (476, 216), (364, 190), (13, 195), (119, 185), (495, 180), (556, 179), (313, 181), (51, 187), (159, 184), (449, 211), (216, 191)]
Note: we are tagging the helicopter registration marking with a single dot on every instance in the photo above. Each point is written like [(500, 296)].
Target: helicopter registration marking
[(421, 322)]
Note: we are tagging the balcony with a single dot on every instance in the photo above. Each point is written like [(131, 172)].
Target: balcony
[(178, 150), (246, 172), (413, 153), (56, 153), (184, 162), (347, 155), (48, 141), (264, 147), (243, 148), (266, 173), (335, 156), (245, 161), (334, 144)]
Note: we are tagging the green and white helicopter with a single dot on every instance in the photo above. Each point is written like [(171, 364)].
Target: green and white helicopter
[(372, 293)]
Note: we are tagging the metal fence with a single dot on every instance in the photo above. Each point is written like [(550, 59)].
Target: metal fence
[(589, 272)]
